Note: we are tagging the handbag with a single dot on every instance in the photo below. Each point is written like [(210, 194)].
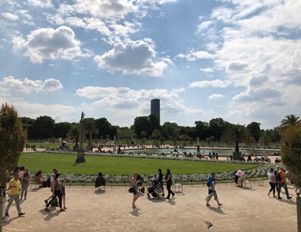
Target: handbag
[(131, 190)]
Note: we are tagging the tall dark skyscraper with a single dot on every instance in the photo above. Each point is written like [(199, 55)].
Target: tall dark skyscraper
[(155, 107)]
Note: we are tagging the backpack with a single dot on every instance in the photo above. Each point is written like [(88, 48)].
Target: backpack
[(209, 182), (277, 175)]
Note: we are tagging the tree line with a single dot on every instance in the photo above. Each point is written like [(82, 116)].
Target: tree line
[(148, 127)]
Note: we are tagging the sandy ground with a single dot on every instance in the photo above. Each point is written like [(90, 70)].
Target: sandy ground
[(242, 210)]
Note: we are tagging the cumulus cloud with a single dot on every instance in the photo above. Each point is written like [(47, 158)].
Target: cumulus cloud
[(206, 84), (49, 43), (196, 55), (123, 98), (40, 3), (258, 51), (9, 16), (203, 26), (215, 96), (257, 94), (10, 86), (207, 70), (133, 57)]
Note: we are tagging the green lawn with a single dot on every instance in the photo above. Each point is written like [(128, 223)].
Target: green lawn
[(65, 163)]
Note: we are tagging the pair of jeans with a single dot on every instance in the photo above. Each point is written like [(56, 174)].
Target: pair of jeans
[(12, 198)]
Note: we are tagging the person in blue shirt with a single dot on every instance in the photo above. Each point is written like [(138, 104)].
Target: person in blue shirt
[(211, 190)]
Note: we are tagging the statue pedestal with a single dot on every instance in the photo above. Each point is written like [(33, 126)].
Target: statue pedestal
[(237, 156), (80, 157)]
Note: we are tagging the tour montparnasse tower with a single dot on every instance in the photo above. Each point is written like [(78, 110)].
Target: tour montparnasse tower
[(155, 107)]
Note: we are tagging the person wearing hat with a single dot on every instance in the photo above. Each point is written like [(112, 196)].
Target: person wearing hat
[(14, 190)]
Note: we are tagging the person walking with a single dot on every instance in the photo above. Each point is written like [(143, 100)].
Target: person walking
[(272, 182), (211, 190), (283, 184), (56, 192), (24, 184), (159, 178), (134, 189), (14, 189), (168, 181)]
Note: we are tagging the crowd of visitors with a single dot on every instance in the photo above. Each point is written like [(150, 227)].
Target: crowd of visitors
[(17, 187)]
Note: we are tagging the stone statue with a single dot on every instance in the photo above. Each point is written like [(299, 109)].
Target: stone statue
[(80, 151)]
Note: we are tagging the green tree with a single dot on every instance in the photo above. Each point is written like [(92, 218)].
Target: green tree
[(291, 157), (265, 138), (170, 131), (104, 128), (290, 120), (254, 129), (142, 124), (201, 129), (125, 133), (29, 123), (74, 135), (155, 122), (44, 127), (89, 125), (156, 136), (11, 145), (217, 127), (291, 152), (61, 129), (236, 134)]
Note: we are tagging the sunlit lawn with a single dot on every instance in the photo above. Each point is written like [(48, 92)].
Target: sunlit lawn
[(65, 163)]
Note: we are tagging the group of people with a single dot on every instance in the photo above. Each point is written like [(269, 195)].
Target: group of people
[(157, 183), (17, 189), (277, 180), (58, 192)]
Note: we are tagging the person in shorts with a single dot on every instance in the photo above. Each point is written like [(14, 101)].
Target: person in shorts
[(211, 190), (134, 189)]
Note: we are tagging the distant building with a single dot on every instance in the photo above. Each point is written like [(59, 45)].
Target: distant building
[(155, 107)]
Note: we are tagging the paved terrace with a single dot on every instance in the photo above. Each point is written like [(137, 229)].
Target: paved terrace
[(243, 210)]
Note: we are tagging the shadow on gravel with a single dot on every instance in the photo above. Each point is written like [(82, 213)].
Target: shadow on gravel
[(216, 209), (49, 214)]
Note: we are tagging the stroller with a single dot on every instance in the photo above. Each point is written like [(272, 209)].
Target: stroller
[(154, 190), (139, 182)]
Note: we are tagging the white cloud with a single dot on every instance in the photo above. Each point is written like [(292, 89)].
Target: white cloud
[(58, 112), (257, 94), (10, 86), (258, 50), (203, 26), (48, 43), (40, 3), (206, 84), (207, 70), (196, 55), (215, 96), (137, 101), (9, 16), (100, 8), (133, 57)]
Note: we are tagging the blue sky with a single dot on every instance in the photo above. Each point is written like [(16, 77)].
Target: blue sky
[(235, 59)]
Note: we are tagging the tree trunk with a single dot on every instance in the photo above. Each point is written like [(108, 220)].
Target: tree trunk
[(299, 212), (2, 200)]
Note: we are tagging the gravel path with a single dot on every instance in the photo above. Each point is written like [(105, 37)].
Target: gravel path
[(242, 210)]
